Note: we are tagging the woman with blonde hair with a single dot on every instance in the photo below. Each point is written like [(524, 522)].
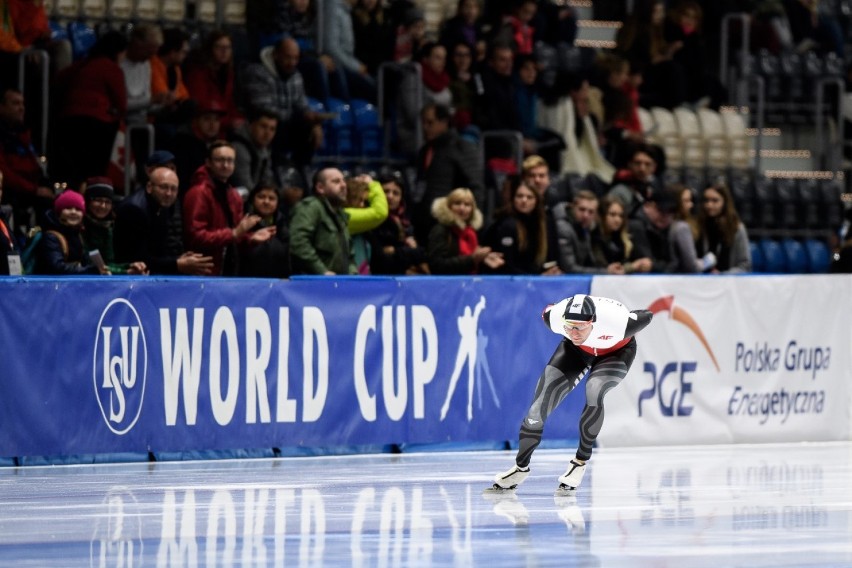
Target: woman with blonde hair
[(453, 246)]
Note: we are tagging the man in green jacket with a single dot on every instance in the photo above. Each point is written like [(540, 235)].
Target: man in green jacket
[(319, 236)]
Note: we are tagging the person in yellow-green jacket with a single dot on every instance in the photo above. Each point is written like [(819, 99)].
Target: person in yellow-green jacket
[(367, 208)]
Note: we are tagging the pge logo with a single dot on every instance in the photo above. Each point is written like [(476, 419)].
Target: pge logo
[(120, 365), (671, 385)]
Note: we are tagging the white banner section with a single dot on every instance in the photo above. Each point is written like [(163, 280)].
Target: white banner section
[(734, 359)]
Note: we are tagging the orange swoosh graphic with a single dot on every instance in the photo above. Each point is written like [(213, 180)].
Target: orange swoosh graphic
[(666, 304)]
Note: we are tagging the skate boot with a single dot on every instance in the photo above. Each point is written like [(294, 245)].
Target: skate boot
[(509, 480), (570, 480)]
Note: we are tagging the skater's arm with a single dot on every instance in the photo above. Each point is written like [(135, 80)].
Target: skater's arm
[(637, 321)]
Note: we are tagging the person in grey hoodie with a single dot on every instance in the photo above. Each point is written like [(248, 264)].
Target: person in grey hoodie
[(275, 85), (252, 143)]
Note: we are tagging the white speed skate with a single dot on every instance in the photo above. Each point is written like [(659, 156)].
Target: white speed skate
[(570, 480), (509, 480)]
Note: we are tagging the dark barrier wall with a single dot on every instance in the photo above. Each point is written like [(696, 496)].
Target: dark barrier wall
[(107, 365)]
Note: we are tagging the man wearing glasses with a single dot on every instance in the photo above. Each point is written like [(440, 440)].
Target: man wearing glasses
[(213, 220), (148, 227), (599, 344)]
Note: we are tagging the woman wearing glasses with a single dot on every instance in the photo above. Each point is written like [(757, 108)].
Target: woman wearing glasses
[(598, 344)]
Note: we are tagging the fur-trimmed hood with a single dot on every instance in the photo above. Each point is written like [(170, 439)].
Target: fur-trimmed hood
[(441, 211), (267, 59)]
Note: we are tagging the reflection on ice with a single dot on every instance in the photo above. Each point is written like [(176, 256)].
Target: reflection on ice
[(765, 505)]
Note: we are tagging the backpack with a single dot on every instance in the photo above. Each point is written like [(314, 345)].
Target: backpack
[(29, 253)]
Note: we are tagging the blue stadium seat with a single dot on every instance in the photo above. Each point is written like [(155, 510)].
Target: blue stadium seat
[(82, 37), (766, 201), (758, 262), (368, 131), (341, 128), (317, 106), (797, 257), (819, 255), (774, 257), (57, 31)]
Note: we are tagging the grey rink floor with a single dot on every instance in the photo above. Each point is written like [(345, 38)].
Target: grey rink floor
[(743, 505)]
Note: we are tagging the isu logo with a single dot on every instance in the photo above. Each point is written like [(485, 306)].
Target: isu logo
[(120, 365)]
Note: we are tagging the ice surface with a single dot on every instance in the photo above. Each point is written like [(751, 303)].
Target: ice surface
[(713, 506)]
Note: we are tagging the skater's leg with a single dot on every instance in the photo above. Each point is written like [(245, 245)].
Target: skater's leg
[(606, 374), (563, 372)]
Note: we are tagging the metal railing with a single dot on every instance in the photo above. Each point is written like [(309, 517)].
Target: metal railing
[(516, 140), (398, 69), (43, 60), (829, 157), (128, 151), (728, 72), (743, 89)]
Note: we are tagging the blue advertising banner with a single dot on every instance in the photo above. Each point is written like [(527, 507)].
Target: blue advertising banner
[(106, 365)]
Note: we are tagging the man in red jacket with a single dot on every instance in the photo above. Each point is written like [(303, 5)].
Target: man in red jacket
[(25, 181), (213, 220)]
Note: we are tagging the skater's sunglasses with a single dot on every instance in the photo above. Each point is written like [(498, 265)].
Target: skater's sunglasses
[(578, 325)]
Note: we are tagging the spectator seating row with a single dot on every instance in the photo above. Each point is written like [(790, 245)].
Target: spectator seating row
[(698, 138), (792, 80), (792, 206), (352, 134), (211, 12), (790, 256)]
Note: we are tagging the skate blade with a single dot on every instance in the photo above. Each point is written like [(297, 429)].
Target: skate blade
[(497, 490), (565, 491)]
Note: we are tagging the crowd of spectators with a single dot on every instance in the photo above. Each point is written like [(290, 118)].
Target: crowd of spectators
[(237, 184)]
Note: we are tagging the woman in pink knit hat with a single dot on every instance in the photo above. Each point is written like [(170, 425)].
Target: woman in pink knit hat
[(60, 250)]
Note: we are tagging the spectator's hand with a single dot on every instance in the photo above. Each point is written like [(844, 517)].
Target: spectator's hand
[(480, 253), (329, 273), (43, 191), (195, 264), (642, 265), (327, 62), (364, 177), (316, 136), (674, 47), (138, 268), (615, 268), (262, 235), (552, 271), (245, 225), (411, 242), (494, 260)]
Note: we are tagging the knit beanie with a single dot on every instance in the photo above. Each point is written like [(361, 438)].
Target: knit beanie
[(99, 187), (67, 199)]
